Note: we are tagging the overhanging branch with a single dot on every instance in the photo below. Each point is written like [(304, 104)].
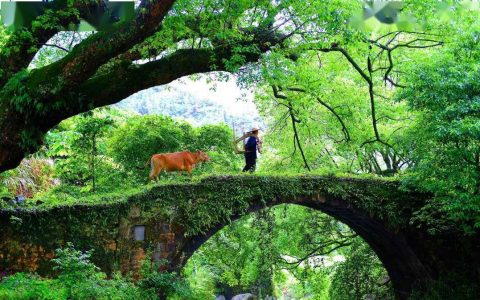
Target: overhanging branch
[(296, 138), (121, 79), (85, 59), (329, 108)]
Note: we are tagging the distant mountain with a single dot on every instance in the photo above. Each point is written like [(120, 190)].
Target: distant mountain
[(197, 105)]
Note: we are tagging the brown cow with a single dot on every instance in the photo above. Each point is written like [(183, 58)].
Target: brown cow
[(178, 161)]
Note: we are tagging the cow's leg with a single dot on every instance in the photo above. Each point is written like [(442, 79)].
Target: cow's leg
[(152, 172), (150, 178), (156, 169), (189, 171), (160, 170)]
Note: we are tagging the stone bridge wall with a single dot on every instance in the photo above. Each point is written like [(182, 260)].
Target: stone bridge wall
[(178, 218)]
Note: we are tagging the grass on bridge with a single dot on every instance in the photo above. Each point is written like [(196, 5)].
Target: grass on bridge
[(60, 197), (206, 200)]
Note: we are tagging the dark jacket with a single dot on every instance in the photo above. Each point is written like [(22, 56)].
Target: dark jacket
[(251, 146)]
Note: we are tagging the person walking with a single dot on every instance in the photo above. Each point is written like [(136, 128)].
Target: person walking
[(251, 147)]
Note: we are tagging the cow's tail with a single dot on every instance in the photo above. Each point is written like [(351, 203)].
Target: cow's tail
[(145, 165)]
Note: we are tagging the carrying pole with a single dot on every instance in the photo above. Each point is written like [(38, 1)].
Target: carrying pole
[(236, 141)]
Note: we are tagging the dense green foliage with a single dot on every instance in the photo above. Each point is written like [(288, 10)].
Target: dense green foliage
[(392, 100), (293, 252), (361, 274), (445, 89), (339, 95), (137, 139), (79, 278), (103, 150), (34, 175)]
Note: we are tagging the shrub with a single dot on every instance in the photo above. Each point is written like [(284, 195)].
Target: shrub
[(28, 286), (32, 176), (166, 284), (78, 279)]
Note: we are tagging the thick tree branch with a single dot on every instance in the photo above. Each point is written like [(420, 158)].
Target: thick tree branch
[(19, 50), (126, 79), (32, 103), (23, 128), (86, 58)]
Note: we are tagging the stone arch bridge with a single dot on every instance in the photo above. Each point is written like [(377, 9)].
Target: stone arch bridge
[(175, 220)]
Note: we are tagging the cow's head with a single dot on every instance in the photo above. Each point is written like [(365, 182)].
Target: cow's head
[(202, 156)]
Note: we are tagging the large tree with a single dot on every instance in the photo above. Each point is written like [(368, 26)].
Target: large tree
[(169, 39), (176, 38)]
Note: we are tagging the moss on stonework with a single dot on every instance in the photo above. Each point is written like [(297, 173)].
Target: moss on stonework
[(186, 209), (214, 199)]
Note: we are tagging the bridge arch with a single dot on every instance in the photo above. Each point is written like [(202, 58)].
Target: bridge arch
[(393, 249), (178, 218)]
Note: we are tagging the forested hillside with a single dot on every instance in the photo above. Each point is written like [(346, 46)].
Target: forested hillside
[(180, 101)]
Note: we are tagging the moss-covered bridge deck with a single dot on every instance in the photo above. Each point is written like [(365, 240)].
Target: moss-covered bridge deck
[(178, 218)]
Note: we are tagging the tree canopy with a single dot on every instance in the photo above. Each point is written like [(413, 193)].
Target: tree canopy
[(362, 88)]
